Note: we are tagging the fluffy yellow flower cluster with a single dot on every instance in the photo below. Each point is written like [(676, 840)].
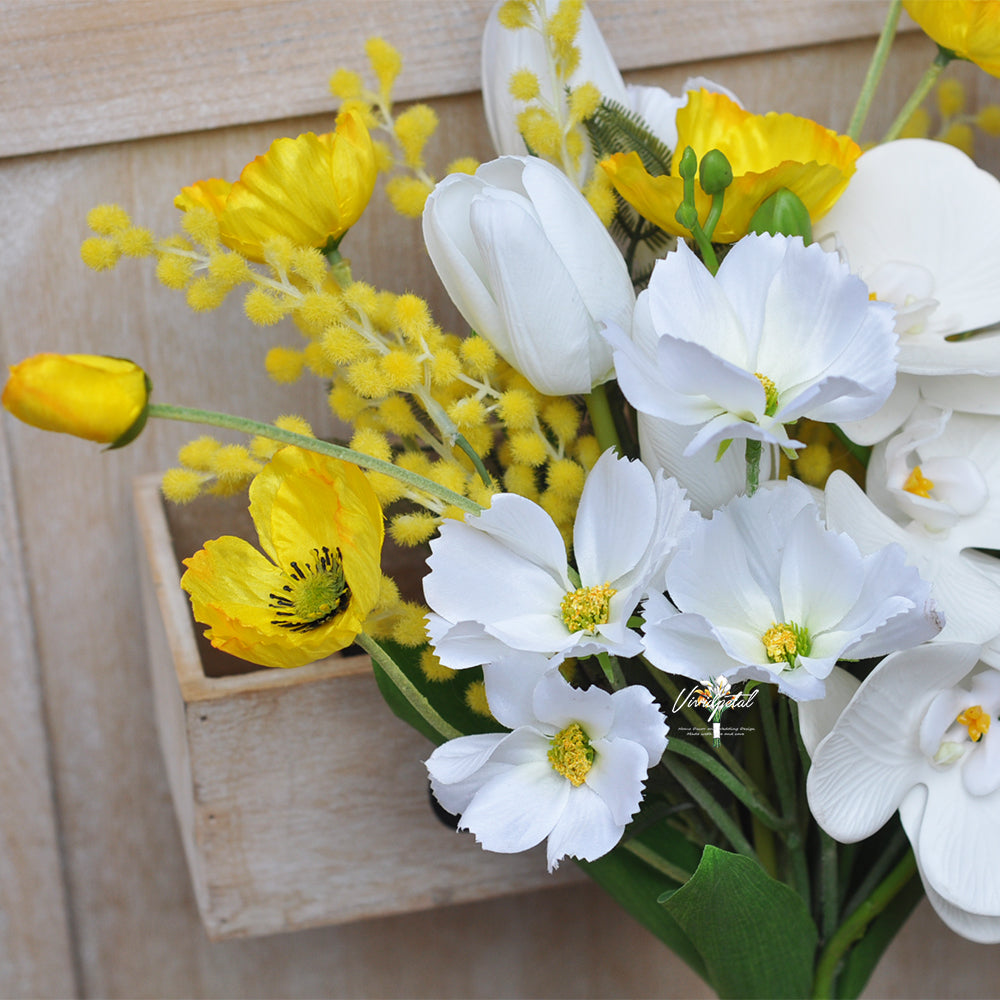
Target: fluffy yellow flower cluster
[(956, 125)]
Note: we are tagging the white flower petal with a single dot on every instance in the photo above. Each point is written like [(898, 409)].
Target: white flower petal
[(585, 829), (617, 776)]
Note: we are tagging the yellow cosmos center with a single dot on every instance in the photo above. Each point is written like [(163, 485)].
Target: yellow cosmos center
[(314, 593), (976, 721), (587, 607), (571, 754), (785, 641), (918, 484), (770, 395)]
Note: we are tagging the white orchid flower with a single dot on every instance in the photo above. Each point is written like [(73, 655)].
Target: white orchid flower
[(920, 735), (530, 268)]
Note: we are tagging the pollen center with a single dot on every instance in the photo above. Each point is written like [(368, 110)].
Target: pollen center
[(976, 721), (571, 754), (786, 641), (587, 607), (770, 395), (314, 592), (917, 484)]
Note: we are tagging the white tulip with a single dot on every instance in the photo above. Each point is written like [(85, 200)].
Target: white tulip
[(530, 268)]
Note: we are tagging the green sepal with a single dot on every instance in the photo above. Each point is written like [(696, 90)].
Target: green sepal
[(754, 934), (783, 212), (140, 421)]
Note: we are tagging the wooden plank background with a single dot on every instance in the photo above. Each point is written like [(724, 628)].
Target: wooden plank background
[(127, 100)]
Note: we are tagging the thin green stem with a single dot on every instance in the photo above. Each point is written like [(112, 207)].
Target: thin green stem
[(229, 422), (612, 670), (875, 68), (753, 451), (857, 923), (829, 893), (601, 418), (656, 861), (406, 688), (922, 89), (763, 838)]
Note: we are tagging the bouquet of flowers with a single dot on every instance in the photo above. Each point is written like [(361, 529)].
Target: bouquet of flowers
[(709, 486)]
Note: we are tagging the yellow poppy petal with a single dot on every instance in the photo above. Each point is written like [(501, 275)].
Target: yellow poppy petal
[(969, 28), (210, 194)]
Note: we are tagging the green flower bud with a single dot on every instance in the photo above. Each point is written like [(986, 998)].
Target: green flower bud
[(783, 213), (716, 174)]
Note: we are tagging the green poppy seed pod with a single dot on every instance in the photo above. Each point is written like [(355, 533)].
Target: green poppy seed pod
[(715, 174), (783, 213), (688, 165)]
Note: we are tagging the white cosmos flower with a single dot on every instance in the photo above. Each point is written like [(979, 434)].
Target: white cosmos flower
[(571, 770), (967, 596), (917, 737), (782, 331), (765, 591), (941, 472), (500, 581), (531, 268)]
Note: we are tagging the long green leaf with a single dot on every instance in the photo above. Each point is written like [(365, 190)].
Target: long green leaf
[(754, 934)]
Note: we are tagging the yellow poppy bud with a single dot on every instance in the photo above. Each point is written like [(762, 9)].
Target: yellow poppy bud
[(309, 190), (91, 396)]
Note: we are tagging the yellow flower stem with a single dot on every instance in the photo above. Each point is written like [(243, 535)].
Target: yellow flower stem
[(407, 689), (875, 69), (923, 88), (246, 426), (601, 418)]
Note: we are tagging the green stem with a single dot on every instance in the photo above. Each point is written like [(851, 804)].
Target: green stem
[(829, 892), (656, 861), (753, 451), (406, 688), (923, 88), (763, 838), (601, 418), (225, 420), (875, 69), (855, 926), (612, 670)]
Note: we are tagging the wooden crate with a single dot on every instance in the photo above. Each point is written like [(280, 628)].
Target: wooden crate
[(301, 799)]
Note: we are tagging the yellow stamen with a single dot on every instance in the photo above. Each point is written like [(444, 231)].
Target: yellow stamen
[(785, 641), (917, 484), (587, 607), (770, 395), (571, 754), (976, 721)]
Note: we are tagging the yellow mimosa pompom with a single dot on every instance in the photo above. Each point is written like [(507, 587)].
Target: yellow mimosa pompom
[(182, 485), (107, 220), (412, 129), (413, 529), (262, 308), (961, 136), (918, 125), (317, 311), (310, 265), (345, 404), (368, 379), (950, 97), (384, 159), (814, 465), (562, 417), (583, 102), (402, 370), (475, 699), (514, 14), (433, 669), (481, 492), (453, 513), (277, 252), (565, 477), (201, 225), (361, 297), (294, 423), (228, 268), (541, 130), (397, 416), (412, 314), (587, 451), (386, 62), (463, 165), (478, 356), (564, 25), (517, 410), (407, 195), (521, 479), (445, 367), (409, 629), (234, 462), (199, 453), (988, 119), (523, 85), (371, 442), (263, 448), (174, 271), (346, 84), (528, 448), (136, 242), (480, 439), (601, 197), (468, 412), (99, 254), (387, 488), (560, 508), (416, 461), (203, 295), (284, 364), (343, 345)]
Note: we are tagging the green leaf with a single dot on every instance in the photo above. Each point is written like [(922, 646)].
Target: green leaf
[(754, 934), (446, 697), (636, 886), (613, 128)]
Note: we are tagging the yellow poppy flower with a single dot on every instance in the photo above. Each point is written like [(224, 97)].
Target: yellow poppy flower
[(311, 189), (766, 152), (91, 396), (969, 28), (308, 594)]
